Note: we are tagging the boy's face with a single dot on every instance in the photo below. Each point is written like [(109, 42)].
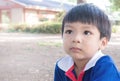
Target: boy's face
[(82, 41)]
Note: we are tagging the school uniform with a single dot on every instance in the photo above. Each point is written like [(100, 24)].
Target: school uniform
[(99, 68)]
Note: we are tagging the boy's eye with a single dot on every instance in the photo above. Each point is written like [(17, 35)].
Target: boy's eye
[(68, 31), (87, 32)]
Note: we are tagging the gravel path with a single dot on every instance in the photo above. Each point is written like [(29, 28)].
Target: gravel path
[(26, 57)]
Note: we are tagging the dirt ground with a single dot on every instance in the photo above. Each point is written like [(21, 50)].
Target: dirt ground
[(32, 57)]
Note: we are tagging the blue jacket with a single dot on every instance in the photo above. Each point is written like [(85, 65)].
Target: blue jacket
[(99, 68)]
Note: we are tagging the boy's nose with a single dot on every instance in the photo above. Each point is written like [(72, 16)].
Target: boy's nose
[(77, 39)]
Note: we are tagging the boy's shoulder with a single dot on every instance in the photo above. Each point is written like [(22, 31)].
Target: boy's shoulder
[(67, 62), (105, 59), (107, 63), (103, 70)]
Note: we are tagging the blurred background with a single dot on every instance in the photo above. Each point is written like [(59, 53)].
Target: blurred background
[(31, 41)]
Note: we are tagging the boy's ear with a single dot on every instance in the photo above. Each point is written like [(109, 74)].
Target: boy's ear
[(104, 42)]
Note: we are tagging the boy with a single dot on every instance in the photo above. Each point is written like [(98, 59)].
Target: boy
[(86, 31)]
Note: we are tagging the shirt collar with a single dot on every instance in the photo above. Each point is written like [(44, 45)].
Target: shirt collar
[(93, 60), (67, 62)]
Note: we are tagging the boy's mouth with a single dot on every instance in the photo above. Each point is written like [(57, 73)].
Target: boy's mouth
[(75, 49)]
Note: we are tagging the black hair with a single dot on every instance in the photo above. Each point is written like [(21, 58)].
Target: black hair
[(90, 14)]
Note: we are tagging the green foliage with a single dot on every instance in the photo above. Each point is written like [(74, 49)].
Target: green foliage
[(59, 16), (72, 1), (115, 28), (46, 27), (115, 4), (19, 27)]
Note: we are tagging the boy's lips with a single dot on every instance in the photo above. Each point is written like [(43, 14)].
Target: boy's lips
[(75, 49)]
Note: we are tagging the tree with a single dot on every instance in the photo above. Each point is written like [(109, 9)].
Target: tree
[(81, 1), (59, 16), (73, 1), (76, 1), (115, 4)]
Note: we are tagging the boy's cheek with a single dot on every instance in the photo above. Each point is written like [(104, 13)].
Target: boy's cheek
[(66, 39)]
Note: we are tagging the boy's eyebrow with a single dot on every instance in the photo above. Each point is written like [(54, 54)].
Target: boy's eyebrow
[(67, 25), (84, 26), (87, 27)]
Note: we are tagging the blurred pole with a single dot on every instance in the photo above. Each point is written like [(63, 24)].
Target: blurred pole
[(81, 1)]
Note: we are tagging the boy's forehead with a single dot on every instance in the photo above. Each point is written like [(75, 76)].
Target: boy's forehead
[(79, 24)]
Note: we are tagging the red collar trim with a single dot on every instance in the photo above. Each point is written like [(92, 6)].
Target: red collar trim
[(71, 75)]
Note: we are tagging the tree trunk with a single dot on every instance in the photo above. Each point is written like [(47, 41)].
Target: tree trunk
[(81, 1)]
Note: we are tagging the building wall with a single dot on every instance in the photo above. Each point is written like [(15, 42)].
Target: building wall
[(46, 14), (5, 16), (31, 16), (17, 15), (0, 16), (4, 3), (21, 14)]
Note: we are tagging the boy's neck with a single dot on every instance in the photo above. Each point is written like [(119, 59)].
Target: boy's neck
[(81, 64)]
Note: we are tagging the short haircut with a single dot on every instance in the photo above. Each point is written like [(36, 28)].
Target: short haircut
[(89, 14)]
